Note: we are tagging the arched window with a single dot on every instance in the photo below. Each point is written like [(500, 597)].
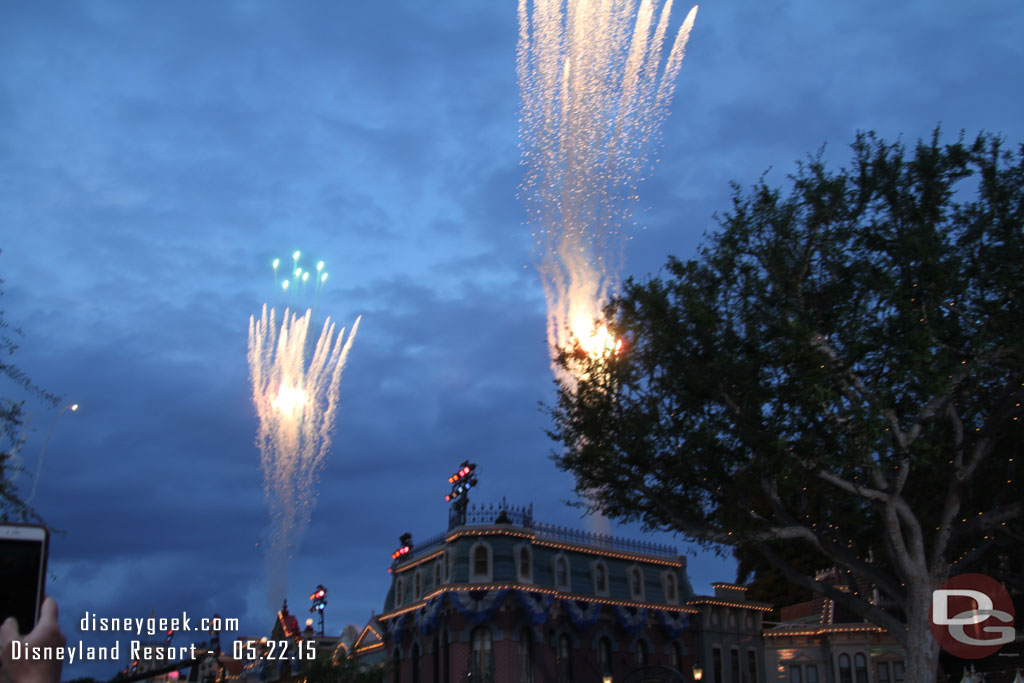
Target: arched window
[(671, 588), (563, 663), (600, 578), (415, 663), (437, 573), (481, 662), (604, 656), (417, 585), (845, 674), (642, 653), (525, 655), (562, 573), (860, 666), (399, 592), (525, 564), (481, 562), (636, 583)]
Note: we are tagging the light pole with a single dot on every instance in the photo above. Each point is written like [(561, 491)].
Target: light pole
[(319, 598), (39, 465)]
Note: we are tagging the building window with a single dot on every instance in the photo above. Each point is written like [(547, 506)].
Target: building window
[(795, 674), (671, 587), (845, 674), (642, 657), (563, 663), (636, 583), (883, 672), (604, 656), (481, 562), (716, 664), (751, 666), (526, 656), (446, 650), (600, 578), (860, 665), (525, 564), (399, 590), (417, 585), (676, 655), (437, 573), (449, 566), (734, 665), (437, 660), (812, 673), (415, 663), (897, 672), (397, 661), (481, 662), (561, 573)]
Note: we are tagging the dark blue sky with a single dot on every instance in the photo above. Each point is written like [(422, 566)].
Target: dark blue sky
[(155, 157)]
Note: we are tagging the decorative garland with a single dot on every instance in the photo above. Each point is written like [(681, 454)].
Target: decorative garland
[(394, 627), (427, 616), (478, 606), (674, 623), (537, 605), (582, 614), (631, 619)]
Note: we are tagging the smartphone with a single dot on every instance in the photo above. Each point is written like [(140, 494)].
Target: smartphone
[(23, 550)]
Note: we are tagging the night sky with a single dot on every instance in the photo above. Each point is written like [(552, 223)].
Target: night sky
[(156, 157)]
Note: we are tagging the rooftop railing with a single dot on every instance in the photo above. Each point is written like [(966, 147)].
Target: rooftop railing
[(522, 516)]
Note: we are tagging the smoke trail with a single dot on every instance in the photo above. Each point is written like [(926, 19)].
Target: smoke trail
[(595, 89), (295, 404)]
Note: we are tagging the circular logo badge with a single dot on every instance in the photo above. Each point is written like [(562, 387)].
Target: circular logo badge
[(972, 616)]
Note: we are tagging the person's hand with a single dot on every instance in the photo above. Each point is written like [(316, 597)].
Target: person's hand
[(46, 634)]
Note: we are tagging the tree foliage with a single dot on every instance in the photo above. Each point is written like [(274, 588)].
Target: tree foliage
[(11, 422), (839, 371)]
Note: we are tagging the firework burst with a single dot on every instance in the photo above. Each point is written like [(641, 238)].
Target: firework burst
[(595, 86), (296, 403)]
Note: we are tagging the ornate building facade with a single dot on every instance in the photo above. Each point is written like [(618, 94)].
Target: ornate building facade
[(500, 597)]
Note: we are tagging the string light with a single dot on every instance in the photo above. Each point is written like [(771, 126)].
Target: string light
[(462, 588), (723, 603), (784, 633)]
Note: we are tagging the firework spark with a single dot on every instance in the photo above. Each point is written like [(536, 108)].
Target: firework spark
[(595, 86), (295, 402)]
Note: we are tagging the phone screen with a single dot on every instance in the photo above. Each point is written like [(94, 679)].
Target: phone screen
[(21, 580)]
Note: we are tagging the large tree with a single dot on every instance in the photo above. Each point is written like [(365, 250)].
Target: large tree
[(840, 372)]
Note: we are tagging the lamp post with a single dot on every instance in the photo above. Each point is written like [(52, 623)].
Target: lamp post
[(39, 464)]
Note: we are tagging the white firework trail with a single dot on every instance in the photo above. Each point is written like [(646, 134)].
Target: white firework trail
[(296, 403), (595, 86)]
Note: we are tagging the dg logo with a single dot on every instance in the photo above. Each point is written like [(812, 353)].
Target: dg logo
[(972, 616)]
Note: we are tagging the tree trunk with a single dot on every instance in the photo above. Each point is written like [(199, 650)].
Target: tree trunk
[(922, 648)]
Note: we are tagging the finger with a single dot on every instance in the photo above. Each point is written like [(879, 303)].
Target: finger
[(49, 610), (9, 630)]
